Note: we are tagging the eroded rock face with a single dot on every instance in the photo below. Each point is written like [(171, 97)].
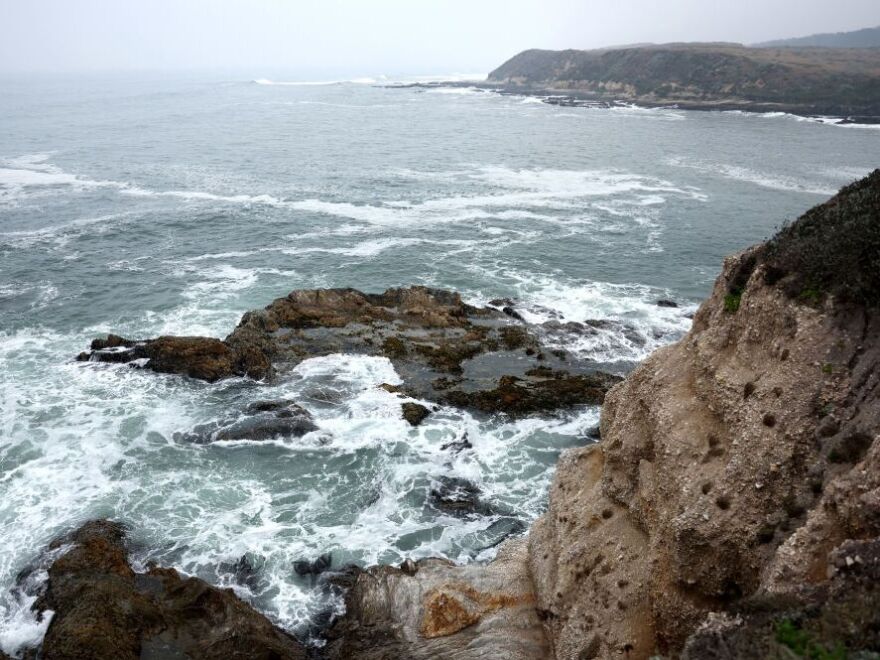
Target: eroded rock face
[(735, 467), (104, 610), (434, 609), (445, 350)]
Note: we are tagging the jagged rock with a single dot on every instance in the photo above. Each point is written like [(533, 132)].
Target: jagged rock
[(457, 496), (457, 446), (104, 610), (414, 413), (694, 502), (317, 566), (443, 348), (204, 358), (433, 609)]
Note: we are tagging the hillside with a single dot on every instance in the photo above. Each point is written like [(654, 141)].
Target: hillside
[(841, 82), (865, 38)]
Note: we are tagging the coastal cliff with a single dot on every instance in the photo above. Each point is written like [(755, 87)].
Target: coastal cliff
[(739, 469), (841, 82)]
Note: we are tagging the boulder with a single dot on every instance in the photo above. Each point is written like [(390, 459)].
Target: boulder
[(414, 413), (103, 609)]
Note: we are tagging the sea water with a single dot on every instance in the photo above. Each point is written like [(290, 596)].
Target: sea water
[(153, 205)]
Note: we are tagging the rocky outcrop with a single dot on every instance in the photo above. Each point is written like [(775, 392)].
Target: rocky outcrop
[(104, 609), (839, 82), (204, 358), (445, 350), (739, 469), (435, 609)]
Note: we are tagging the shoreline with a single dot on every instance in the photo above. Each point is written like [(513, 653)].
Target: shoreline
[(581, 99)]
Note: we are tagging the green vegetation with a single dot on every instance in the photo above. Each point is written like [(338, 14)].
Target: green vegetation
[(827, 368), (834, 248), (731, 302), (802, 644)]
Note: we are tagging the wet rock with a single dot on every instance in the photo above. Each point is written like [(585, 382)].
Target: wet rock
[(666, 303), (244, 571), (457, 496), (205, 358), (540, 391), (103, 609), (414, 413), (269, 420), (457, 446), (430, 335), (303, 567), (434, 609)]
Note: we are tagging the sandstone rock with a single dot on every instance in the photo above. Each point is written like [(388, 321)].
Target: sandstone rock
[(433, 609), (103, 609), (716, 483)]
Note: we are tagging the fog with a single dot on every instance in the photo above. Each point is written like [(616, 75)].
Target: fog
[(374, 37)]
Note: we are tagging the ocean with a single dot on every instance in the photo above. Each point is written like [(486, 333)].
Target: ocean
[(152, 205)]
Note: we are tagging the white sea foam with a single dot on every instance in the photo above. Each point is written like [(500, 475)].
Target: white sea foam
[(314, 83), (759, 178)]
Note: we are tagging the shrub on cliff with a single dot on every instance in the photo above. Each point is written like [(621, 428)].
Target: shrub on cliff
[(834, 248)]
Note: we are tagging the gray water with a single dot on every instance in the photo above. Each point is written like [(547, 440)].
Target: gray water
[(146, 206)]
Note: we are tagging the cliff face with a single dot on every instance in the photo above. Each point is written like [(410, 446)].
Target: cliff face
[(819, 80), (739, 470)]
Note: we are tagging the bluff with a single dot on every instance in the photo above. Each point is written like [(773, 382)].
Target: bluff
[(732, 508), (841, 82)]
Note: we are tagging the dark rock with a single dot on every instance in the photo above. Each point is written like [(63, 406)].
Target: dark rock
[(430, 335), (414, 413), (103, 609), (270, 420), (457, 445), (457, 496), (512, 313), (540, 391), (595, 433), (666, 303), (317, 566), (243, 571), (204, 358)]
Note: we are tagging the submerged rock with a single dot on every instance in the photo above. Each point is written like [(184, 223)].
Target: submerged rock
[(433, 609), (443, 348), (269, 420), (103, 609)]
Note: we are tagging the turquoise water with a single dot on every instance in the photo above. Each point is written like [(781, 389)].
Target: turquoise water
[(146, 206)]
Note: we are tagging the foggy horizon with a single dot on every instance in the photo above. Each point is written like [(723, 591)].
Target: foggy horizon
[(390, 37)]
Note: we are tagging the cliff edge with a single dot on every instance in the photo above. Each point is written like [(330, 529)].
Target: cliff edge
[(732, 508)]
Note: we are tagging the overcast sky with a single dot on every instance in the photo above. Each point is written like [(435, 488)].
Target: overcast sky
[(372, 37)]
